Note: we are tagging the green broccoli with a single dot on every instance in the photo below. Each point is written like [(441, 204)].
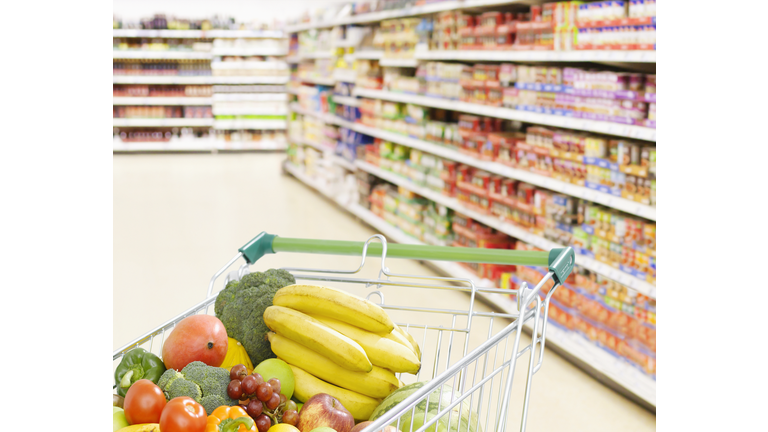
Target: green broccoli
[(203, 383), (184, 387), (240, 307)]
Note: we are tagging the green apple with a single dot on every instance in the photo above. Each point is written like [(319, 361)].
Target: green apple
[(276, 368), (323, 429), (118, 419)]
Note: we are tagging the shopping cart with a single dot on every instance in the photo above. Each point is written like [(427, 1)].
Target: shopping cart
[(478, 369)]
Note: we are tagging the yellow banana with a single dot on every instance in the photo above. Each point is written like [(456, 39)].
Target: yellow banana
[(307, 385), (410, 339), (398, 337), (337, 304), (378, 383), (381, 351), (318, 337), (143, 427)]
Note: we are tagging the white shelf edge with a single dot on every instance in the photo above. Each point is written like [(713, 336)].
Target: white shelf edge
[(607, 200), (254, 124), (161, 55), (206, 79), (250, 97), (399, 13), (246, 52), (205, 146), (647, 386), (163, 122), (249, 111), (129, 100), (396, 62), (627, 56), (639, 285), (200, 34), (315, 55), (367, 55), (617, 129)]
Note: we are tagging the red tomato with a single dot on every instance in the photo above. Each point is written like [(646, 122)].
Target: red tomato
[(183, 414), (144, 402), (196, 338)]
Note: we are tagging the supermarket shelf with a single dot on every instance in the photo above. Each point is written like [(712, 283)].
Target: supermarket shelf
[(195, 145), (244, 52), (346, 100), (185, 145), (625, 205), (617, 129), (570, 343), (639, 285), (170, 55), (282, 110), (249, 65), (176, 79), (399, 13), (198, 34), (397, 62), (605, 199), (627, 56), (250, 97), (251, 124), (162, 122), (162, 100)]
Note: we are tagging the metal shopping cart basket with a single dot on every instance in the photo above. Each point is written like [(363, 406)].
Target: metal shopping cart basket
[(464, 350)]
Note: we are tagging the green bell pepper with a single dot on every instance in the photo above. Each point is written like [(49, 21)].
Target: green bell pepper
[(137, 364)]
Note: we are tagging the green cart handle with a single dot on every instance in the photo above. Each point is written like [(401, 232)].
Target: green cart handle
[(560, 261)]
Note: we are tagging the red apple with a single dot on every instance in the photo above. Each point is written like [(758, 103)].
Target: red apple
[(363, 425), (325, 410), (196, 338)]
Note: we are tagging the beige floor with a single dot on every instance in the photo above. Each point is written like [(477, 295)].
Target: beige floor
[(178, 218)]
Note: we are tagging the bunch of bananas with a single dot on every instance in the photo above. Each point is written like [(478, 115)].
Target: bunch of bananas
[(339, 344)]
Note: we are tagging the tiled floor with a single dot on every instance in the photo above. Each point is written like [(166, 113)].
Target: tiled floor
[(178, 218)]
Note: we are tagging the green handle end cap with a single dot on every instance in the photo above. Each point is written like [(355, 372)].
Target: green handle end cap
[(561, 262), (258, 247)]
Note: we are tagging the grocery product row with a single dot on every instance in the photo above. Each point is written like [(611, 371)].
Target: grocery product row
[(616, 334), (511, 205), (226, 80), (620, 172), (557, 26)]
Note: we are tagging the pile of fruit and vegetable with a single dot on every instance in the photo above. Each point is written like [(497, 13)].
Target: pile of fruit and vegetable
[(325, 361)]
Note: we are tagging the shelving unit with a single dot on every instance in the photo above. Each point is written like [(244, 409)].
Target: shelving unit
[(605, 199), (616, 129), (573, 344), (595, 360), (233, 108)]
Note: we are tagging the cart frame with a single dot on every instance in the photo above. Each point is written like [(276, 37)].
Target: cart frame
[(532, 304)]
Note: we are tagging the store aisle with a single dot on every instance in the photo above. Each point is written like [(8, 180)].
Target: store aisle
[(178, 218)]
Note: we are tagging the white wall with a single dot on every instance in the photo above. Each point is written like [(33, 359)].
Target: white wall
[(262, 11)]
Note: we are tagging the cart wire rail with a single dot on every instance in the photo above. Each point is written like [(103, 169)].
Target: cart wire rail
[(477, 379)]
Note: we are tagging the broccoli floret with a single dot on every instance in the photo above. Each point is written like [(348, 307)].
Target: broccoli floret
[(213, 401), (184, 387), (240, 307), (200, 382), (212, 380), (167, 377)]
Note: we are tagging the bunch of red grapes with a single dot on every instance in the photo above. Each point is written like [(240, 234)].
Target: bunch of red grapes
[(266, 405)]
